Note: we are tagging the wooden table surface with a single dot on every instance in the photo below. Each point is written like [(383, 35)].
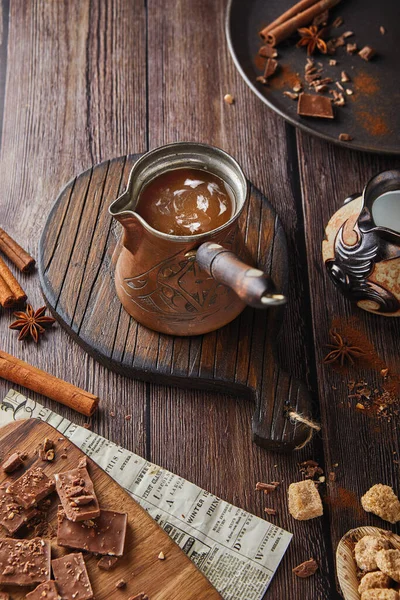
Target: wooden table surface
[(86, 80)]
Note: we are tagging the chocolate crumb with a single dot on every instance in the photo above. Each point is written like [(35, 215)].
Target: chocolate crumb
[(229, 99), (111, 413), (270, 68), (367, 53), (64, 455), (306, 569), (384, 372), (128, 417), (349, 92), (121, 583), (332, 62), (270, 511), (141, 596), (291, 95), (86, 425), (12, 463), (268, 52), (337, 22), (345, 137), (351, 48), (344, 78), (347, 34), (107, 563), (161, 556), (382, 30)]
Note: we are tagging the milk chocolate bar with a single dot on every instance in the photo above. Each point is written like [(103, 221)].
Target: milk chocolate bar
[(12, 463), (311, 105), (104, 535), (31, 487), (24, 562), (72, 578), (76, 492), (44, 591), (12, 515)]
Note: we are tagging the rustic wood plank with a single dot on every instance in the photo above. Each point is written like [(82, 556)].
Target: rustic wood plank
[(73, 97), (364, 447), (186, 102)]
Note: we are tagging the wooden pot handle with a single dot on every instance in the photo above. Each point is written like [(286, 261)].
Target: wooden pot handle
[(252, 286)]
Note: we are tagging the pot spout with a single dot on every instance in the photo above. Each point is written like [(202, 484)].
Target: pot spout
[(121, 210)]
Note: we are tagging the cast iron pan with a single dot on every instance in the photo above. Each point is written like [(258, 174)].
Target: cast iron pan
[(372, 114)]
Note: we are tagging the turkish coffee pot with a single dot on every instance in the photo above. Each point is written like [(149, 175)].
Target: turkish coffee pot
[(186, 284), (361, 249)]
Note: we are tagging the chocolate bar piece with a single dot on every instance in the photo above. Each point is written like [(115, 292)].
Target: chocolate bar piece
[(12, 463), (104, 535), (44, 591), (72, 578), (31, 487), (311, 105), (12, 515), (24, 562), (76, 492)]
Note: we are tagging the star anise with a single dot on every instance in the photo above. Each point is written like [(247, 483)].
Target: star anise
[(31, 323), (311, 37), (342, 351)]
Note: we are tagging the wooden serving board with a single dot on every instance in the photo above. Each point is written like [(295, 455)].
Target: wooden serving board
[(77, 255), (175, 578)]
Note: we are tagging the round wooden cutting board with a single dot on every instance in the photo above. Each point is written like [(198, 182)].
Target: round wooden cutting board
[(77, 256)]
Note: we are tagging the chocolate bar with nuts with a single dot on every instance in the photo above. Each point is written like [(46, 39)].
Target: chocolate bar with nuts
[(24, 562), (12, 515), (77, 495), (72, 578), (31, 487), (44, 591), (104, 535)]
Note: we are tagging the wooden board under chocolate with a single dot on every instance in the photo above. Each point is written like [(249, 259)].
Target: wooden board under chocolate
[(175, 577)]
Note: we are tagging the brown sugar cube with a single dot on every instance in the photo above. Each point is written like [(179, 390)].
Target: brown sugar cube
[(72, 578), (388, 561), (31, 487), (44, 591), (380, 595), (12, 463), (372, 581), (304, 500), (382, 501), (366, 549)]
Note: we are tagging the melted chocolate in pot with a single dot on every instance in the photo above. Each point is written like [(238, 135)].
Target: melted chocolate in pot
[(186, 202)]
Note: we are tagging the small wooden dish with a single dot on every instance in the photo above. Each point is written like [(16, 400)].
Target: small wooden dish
[(346, 567)]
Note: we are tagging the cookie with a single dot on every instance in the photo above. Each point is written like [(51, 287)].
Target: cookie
[(366, 549)]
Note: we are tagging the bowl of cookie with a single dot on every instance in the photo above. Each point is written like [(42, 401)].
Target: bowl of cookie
[(368, 558)]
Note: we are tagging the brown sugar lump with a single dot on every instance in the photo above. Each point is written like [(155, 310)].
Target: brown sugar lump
[(380, 595), (304, 500), (371, 581), (366, 549), (388, 561), (382, 501)]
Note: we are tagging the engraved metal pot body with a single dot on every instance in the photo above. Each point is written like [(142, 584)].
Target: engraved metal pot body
[(362, 258), (182, 285)]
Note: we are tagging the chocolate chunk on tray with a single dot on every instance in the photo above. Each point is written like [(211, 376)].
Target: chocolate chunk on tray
[(24, 562), (104, 535), (44, 591), (77, 495), (12, 515), (31, 487), (12, 463), (72, 578), (107, 563), (311, 105)]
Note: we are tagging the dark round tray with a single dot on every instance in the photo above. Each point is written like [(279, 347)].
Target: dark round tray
[(372, 114)]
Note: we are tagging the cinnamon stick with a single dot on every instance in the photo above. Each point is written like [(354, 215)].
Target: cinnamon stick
[(291, 12), (8, 277), (21, 259), (283, 31), (7, 299), (19, 372)]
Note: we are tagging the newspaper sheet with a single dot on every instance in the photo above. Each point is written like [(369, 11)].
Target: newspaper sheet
[(238, 552)]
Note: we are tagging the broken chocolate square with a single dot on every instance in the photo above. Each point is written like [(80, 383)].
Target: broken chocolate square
[(367, 53), (77, 495), (47, 591), (107, 563), (311, 105), (12, 463), (104, 535), (24, 562), (31, 487), (72, 578), (12, 515)]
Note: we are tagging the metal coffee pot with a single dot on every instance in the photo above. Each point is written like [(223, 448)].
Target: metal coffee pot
[(186, 285), (361, 250)]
